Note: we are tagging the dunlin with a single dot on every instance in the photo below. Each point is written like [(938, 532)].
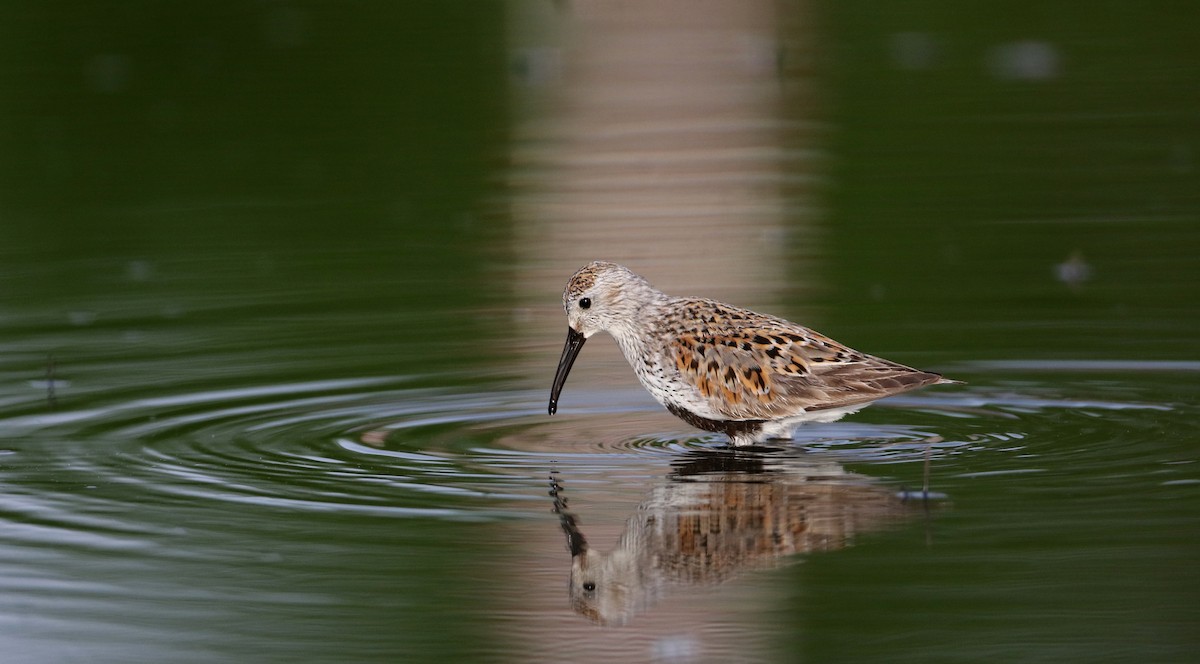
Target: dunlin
[(723, 368)]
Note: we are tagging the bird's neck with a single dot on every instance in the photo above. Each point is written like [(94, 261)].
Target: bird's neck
[(641, 342), (637, 330)]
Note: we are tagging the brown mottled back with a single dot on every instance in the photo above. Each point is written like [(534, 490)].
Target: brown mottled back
[(753, 366)]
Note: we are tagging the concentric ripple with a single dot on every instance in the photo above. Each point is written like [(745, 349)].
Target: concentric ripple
[(375, 445), (272, 446)]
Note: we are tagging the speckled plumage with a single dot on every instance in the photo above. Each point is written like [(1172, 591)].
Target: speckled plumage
[(720, 367)]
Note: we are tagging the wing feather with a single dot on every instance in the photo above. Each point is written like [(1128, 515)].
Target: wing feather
[(750, 366)]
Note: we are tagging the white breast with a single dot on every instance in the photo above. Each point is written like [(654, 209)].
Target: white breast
[(662, 380)]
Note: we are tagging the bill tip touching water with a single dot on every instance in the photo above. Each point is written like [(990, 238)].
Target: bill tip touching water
[(722, 368)]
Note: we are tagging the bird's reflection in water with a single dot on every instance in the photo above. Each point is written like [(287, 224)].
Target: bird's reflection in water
[(715, 515)]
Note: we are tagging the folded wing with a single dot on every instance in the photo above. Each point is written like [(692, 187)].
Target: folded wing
[(767, 368)]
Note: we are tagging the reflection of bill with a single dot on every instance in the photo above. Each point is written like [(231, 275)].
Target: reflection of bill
[(717, 515)]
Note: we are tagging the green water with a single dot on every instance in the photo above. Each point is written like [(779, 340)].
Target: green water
[(262, 397)]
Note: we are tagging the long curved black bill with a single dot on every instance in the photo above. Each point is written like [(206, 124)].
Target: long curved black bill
[(570, 352)]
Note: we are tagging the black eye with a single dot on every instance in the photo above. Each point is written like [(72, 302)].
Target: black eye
[(585, 303), (589, 586)]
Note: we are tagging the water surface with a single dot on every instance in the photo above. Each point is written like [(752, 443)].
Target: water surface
[(279, 309)]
